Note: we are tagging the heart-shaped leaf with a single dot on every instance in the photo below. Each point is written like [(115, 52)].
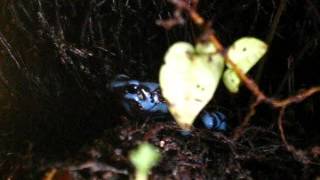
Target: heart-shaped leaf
[(189, 78), (245, 53)]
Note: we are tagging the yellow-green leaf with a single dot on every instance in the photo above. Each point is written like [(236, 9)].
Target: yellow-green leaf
[(245, 53), (144, 157), (189, 78)]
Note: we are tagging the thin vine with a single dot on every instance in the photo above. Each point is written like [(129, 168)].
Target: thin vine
[(190, 8)]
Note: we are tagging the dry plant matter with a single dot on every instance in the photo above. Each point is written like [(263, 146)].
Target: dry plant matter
[(190, 8), (58, 119)]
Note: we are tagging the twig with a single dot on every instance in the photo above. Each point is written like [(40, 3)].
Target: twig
[(239, 131), (294, 99), (281, 104), (300, 155), (94, 166), (5, 45), (270, 37)]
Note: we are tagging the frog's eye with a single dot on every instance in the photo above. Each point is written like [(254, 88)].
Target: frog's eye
[(132, 89)]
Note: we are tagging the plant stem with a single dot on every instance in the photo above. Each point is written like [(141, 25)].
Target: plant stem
[(141, 176)]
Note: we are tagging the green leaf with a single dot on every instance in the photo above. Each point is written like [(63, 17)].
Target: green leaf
[(144, 157), (245, 53), (189, 78)]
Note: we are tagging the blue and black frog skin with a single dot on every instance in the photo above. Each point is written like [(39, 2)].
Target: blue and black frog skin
[(139, 98), (145, 99)]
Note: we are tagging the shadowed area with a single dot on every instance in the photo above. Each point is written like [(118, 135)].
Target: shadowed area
[(59, 116)]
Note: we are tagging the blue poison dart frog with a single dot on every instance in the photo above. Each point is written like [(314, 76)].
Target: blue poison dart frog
[(139, 98), (145, 99)]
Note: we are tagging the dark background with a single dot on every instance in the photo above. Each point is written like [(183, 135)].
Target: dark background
[(58, 56)]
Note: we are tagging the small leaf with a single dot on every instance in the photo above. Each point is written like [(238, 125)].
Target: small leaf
[(144, 157), (231, 80), (245, 53), (189, 78)]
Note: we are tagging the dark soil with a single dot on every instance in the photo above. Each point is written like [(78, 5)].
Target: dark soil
[(58, 119)]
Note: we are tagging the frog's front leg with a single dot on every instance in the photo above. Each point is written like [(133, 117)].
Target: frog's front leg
[(145, 101), (214, 120)]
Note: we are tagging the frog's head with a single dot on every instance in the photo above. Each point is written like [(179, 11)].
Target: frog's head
[(138, 98)]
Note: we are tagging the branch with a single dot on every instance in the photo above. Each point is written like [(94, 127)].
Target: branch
[(281, 104)]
